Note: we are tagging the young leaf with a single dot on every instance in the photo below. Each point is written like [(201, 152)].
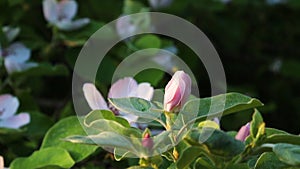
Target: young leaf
[(53, 156), (256, 122), (64, 128)]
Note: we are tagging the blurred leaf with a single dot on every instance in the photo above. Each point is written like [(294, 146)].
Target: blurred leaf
[(39, 124), (269, 160), (132, 6), (62, 129), (288, 153), (44, 69), (152, 76), (52, 156), (148, 41), (291, 68)]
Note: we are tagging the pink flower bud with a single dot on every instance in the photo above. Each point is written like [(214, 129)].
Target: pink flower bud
[(147, 141), (177, 91), (243, 132)]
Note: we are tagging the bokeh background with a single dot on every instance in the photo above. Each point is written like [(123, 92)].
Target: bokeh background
[(257, 40)]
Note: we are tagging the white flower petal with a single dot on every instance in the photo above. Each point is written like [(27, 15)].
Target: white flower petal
[(125, 87), (12, 66), (67, 9), (68, 25), (94, 97), (18, 52), (50, 10), (16, 121), (130, 118), (145, 91), (8, 106)]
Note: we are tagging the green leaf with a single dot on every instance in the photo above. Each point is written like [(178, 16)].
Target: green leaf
[(188, 156), (44, 69), (283, 138), (104, 114), (105, 139), (218, 142), (272, 131), (269, 160), (256, 122), (137, 106), (148, 41), (62, 129), (53, 156), (102, 120), (203, 162), (288, 153), (225, 103)]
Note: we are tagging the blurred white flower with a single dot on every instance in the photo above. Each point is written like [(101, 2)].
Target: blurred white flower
[(61, 14), (126, 87), (130, 25), (8, 108), (17, 54), (156, 4), (276, 65)]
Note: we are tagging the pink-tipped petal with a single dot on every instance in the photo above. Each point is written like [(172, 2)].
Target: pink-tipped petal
[(145, 91), (8, 106), (16, 121), (243, 132), (94, 97), (125, 87), (50, 10), (67, 9), (18, 52), (177, 91)]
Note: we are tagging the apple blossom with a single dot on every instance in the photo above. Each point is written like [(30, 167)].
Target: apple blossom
[(16, 55), (8, 108), (61, 14), (177, 91), (243, 132), (126, 87)]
